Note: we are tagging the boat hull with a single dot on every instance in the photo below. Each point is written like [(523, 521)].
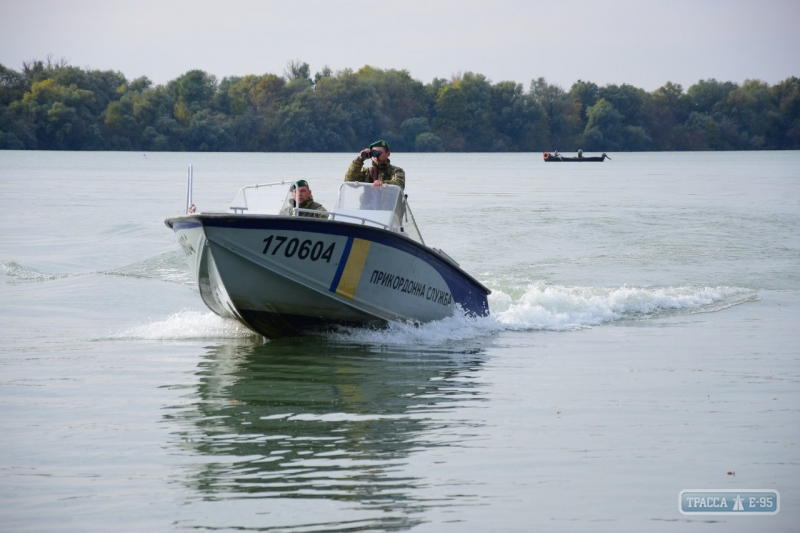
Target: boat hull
[(282, 276), (552, 158)]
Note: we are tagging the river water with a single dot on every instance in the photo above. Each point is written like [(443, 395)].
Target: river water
[(644, 339)]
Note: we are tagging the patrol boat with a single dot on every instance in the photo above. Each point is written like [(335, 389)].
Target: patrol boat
[(289, 272)]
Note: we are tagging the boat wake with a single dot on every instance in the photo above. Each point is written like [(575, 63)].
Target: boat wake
[(543, 307), (20, 273), (186, 325), (559, 308), (537, 306), (170, 266), (540, 307)]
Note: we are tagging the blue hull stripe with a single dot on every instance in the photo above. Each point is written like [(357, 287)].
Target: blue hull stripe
[(185, 224)]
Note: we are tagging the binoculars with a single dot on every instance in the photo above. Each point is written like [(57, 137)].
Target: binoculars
[(370, 153)]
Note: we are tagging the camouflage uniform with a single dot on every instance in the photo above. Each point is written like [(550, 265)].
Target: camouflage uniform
[(308, 204), (386, 172)]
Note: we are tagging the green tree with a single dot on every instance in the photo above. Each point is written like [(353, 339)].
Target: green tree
[(631, 102), (703, 131), (561, 114), (207, 132), (308, 122), (705, 95), (604, 127), (296, 70), (13, 85), (267, 94), (326, 72), (518, 120), (52, 105), (786, 133), (754, 109), (153, 111), (16, 133), (412, 128), (105, 86), (481, 134), (586, 94), (358, 100), (398, 97), (61, 116), (192, 92), (233, 94), (453, 119), (670, 110), (428, 142)]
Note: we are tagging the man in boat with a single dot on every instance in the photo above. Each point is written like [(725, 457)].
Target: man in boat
[(580, 153), (381, 171), (301, 190)]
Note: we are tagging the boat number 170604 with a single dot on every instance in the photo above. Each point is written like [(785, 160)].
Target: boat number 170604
[(304, 250)]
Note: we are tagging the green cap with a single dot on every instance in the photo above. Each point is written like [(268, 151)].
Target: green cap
[(298, 183), (382, 144)]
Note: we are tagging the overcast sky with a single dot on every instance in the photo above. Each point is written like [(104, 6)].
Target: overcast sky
[(644, 43)]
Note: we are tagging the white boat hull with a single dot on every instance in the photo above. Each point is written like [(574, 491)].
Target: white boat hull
[(281, 276)]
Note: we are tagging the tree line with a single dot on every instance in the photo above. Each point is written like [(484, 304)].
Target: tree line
[(51, 105)]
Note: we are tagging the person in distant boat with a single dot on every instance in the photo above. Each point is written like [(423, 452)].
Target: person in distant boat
[(381, 171), (580, 153), (302, 192)]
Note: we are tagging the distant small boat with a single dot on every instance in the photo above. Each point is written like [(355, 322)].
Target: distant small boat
[(555, 157)]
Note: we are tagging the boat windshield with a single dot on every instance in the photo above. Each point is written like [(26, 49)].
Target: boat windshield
[(385, 207), (358, 203), (366, 197), (258, 199)]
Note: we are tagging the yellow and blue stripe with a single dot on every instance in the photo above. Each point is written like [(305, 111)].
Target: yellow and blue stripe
[(348, 274)]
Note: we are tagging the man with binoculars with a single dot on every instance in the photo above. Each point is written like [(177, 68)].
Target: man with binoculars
[(381, 170)]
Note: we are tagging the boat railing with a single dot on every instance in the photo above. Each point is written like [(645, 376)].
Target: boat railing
[(410, 227), (335, 215), (361, 220)]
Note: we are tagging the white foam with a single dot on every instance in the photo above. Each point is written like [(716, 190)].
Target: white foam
[(170, 266), (13, 269), (187, 325), (450, 329), (540, 307), (556, 308)]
